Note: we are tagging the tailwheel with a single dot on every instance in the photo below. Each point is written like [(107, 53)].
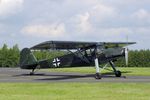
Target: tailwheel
[(98, 76), (118, 73)]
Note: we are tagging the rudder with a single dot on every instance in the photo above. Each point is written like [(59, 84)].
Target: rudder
[(27, 59)]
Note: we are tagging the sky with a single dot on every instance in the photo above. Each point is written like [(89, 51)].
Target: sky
[(29, 22)]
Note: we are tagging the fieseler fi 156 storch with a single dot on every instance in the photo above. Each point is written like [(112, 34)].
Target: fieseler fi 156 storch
[(80, 54)]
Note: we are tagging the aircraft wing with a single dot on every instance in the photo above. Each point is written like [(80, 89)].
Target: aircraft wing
[(117, 44), (63, 45), (70, 45)]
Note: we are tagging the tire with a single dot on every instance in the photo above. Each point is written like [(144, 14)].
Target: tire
[(97, 76), (118, 73), (31, 73)]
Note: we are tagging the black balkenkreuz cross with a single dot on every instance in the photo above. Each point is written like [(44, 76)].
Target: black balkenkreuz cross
[(56, 62)]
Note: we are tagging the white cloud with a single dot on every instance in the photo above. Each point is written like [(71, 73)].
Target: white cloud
[(8, 7), (97, 13), (141, 14), (44, 30), (143, 31), (113, 32), (83, 23), (103, 12), (110, 34)]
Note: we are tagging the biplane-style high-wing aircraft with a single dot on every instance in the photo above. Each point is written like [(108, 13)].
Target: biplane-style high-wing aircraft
[(80, 54)]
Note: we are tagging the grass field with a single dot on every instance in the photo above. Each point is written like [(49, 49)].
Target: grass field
[(74, 91), (136, 71)]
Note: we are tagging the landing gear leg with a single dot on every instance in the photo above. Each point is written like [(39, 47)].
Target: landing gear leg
[(117, 72), (32, 72), (97, 75)]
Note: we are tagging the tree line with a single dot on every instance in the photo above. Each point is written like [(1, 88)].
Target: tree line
[(9, 57), (137, 58)]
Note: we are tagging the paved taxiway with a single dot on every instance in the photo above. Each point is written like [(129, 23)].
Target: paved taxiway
[(20, 75)]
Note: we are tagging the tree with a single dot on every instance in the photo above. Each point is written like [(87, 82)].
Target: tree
[(4, 55), (9, 57)]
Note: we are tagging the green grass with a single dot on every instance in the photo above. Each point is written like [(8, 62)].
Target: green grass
[(136, 71), (74, 91), (142, 71)]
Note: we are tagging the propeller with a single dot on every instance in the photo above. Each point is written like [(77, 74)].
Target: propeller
[(126, 56), (126, 53)]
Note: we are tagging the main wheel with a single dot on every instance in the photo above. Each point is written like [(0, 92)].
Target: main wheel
[(97, 76), (118, 73), (31, 73)]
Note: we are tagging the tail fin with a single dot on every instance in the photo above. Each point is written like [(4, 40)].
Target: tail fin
[(27, 59)]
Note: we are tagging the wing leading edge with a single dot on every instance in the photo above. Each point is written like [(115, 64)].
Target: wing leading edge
[(70, 45)]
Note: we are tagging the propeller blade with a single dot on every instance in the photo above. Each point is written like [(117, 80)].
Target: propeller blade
[(126, 56)]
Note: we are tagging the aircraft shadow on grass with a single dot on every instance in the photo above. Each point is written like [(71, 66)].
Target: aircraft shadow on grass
[(65, 76)]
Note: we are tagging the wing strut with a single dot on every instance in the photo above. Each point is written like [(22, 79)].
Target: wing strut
[(80, 55), (117, 72)]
